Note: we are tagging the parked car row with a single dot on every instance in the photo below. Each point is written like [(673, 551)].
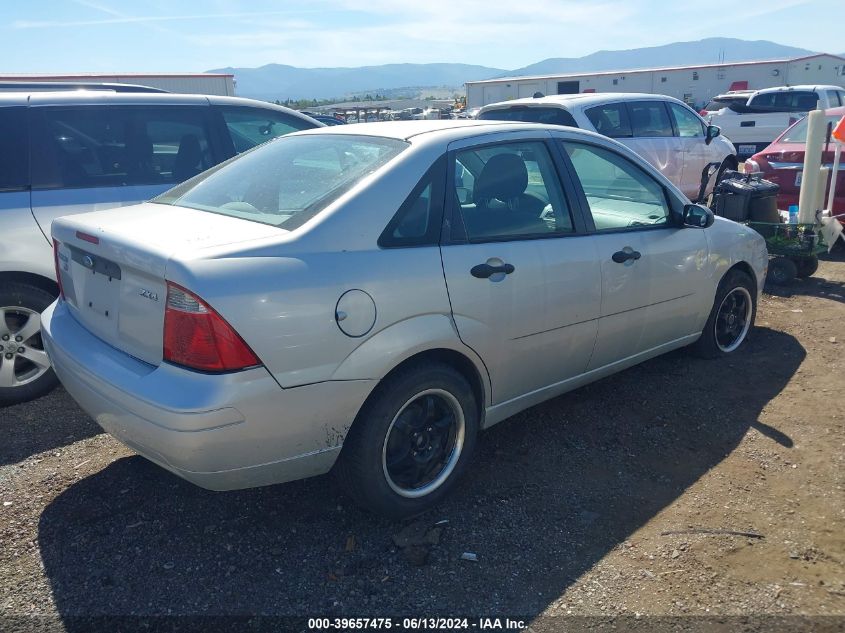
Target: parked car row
[(367, 300)]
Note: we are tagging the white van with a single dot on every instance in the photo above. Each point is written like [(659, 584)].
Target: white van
[(664, 131)]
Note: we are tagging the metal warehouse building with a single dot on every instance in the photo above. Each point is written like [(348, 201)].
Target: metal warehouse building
[(196, 83), (692, 84)]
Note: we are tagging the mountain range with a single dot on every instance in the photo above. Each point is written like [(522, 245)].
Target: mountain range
[(279, 81)]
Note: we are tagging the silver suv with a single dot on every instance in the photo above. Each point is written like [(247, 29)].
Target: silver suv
[(63, 153)]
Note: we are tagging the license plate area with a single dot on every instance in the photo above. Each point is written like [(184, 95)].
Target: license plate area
[(798, 177), (96, 282)]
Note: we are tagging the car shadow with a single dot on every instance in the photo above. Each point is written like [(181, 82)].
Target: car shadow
[(552, 491), (52, 421)]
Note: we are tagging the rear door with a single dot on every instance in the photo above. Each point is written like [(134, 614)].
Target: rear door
[(521, 272), (654, 284), (92, 157)]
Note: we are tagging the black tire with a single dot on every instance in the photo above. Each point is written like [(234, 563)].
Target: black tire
[(806, 266), (18, 295), (711, 344), (362, 468), (782, 271), (728, 163)]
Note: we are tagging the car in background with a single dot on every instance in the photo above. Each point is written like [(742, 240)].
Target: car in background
[(782, 162), (75, 151), (333, 299), (663, 130), (325, 119), (757, 122)]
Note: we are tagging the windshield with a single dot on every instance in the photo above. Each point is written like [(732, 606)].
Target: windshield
[(530, 114), (288, 181), (798, 132)]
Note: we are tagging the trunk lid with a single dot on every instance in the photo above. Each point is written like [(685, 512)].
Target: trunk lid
[(113, 266)]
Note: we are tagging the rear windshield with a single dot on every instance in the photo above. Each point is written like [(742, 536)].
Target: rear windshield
[(287, 181), (798, 132), (531, 114)]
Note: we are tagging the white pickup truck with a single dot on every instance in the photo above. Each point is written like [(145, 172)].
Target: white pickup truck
[(753, 125)]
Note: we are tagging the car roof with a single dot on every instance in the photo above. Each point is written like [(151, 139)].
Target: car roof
[(801, 87), (105, 97), (582, 99), (446, 130)]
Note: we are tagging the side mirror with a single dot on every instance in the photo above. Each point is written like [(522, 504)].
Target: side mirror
[(712, 132), (698, 216)]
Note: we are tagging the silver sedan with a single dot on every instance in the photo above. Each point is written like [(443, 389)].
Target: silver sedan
[(367, 300)]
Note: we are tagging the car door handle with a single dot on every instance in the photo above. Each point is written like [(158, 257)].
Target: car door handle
[(620, 257), (483, 271)]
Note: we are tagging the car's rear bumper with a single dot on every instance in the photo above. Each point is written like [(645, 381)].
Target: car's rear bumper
[(220, 431)]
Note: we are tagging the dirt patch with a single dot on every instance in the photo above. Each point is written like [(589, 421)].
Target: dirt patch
[(564, 509)]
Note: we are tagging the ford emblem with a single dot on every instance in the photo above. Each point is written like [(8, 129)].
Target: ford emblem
[(88, 261)]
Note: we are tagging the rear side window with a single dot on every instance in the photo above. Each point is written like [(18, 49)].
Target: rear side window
[(531, 114), (249, 127), (834, 97), (14, 149), (611, 120), (116, 146), (418, 221), (786, 101), (649, 119)]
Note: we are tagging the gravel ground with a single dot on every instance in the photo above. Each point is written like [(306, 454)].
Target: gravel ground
[(597, 502)]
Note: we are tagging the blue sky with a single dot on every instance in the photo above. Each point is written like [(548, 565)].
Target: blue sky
[(66, 36)]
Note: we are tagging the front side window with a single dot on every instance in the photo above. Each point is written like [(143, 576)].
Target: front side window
[(620, 194), (287, 182), (531, 114), (649, 119), (689, 125), (515, 193), (249, 127), (611, 120), (115, 146), (14, 149)]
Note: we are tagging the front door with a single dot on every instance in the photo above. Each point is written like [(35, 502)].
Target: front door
[(691, 134), (653, 271), (522, 278)]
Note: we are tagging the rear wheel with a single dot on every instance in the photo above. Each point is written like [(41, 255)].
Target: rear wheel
[(411, 441), (731, 317), (25, 371)]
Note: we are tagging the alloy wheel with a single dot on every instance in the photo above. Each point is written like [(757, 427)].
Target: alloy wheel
[(733, 319), (22, 356), (423, 443)]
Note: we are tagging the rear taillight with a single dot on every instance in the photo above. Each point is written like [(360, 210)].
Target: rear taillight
[(58, 268), (195, 336), (751, 166)]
